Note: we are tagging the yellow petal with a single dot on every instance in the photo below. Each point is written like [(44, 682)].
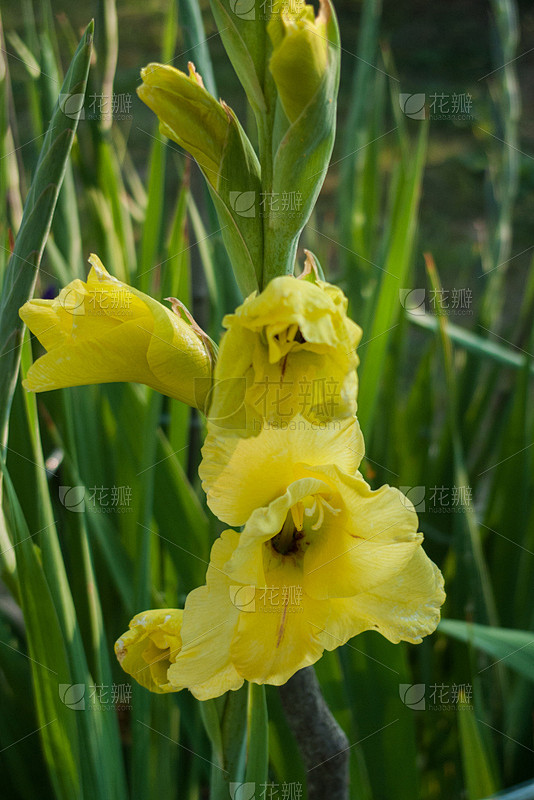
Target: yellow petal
[(233, 631), (247, 562), (279, 633), (405, 608), (371, 538), (240, 475), (204, 663), (104, 331), (288, 351), (349, 538), (225, 680), (228, 411), (281, 636), (150, 646), (266, 630)]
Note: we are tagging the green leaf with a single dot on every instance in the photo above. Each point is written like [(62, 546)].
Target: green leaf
[(66, 234), (225, 722), (98, 732), (154, 216), (386, 312), (39, 208), (472, 561), (239, 182), (182, 523), (56, 696), (25, 56), (511, 648), (190, 19), (242, 29), (476, 762), (257, 735), (479, 345), (373, 670)]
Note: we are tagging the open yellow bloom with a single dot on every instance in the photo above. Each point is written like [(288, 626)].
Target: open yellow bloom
[(104, 331), (289, 350), (326, 560), (150, 646), (321, 558)]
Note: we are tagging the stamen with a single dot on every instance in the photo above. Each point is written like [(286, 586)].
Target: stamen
[(319, 505), (329, 507), (312, 509), (320, 519), (297, 512)]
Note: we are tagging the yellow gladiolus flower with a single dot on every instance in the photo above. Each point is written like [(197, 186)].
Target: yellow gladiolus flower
[(322, 562), (150, 646), (289, 350), (104, 331)]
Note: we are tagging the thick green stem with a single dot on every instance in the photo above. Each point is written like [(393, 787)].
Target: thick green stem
[(257, 735)]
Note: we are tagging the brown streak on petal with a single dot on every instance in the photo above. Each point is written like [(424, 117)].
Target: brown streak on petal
[(282, 624)]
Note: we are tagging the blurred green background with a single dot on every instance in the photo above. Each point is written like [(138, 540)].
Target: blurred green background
[(445, 400)]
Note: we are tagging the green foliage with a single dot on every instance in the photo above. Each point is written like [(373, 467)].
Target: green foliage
[(21, 271), (444, 403)]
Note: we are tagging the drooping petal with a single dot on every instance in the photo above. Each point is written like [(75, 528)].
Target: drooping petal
[(114, 357), (405, 608), (371, 536), (210, 618), (278, 639)]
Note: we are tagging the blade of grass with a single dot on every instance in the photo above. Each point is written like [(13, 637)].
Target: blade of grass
[(52, 678), (373, 349), (97, 731), (512, 648), (154, 217), (469, 531), (66, 223), (38, 212), (480, 346), (475, 758)]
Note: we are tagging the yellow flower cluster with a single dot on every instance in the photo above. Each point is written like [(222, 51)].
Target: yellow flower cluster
[(321, 556)]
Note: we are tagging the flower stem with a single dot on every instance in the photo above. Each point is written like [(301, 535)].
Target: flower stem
[(322, 743), (266, 162)]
